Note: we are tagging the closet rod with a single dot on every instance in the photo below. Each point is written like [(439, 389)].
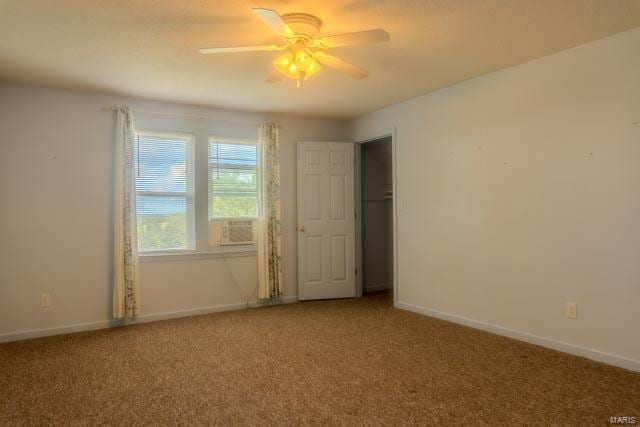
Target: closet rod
[(162, 113)]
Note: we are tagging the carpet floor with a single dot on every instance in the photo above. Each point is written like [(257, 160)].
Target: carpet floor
[(357, 361)]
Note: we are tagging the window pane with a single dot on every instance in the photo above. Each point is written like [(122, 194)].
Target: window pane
[(164, 194), (161, 164), (162, 222), (234, 180)]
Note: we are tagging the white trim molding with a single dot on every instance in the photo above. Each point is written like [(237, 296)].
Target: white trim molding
[(268, 303), (143, 318), (190, 256), (576, 350)]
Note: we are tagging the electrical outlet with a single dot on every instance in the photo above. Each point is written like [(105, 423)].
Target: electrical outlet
[(572, 310), (45, 301)]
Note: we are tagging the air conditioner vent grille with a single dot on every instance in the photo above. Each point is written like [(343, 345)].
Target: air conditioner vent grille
[(237, 233)]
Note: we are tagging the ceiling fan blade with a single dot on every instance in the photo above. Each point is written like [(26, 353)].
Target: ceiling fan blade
[(235, 49), (274, 21), (350, 39), (341, 65), (274, 76)]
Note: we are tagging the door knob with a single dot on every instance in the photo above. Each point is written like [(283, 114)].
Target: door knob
[(302, 228)]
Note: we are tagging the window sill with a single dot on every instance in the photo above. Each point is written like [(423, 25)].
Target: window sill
[(228, 252)]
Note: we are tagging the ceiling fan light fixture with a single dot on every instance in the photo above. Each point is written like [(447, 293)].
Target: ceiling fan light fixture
[(286, 65), (313, 68), (303, 60), (284, 60), (298, 65), (303, 50)]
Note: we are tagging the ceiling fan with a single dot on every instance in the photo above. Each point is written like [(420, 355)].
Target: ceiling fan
[(303, 51)]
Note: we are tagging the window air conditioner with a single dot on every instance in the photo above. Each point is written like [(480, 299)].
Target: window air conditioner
[(237, 232)]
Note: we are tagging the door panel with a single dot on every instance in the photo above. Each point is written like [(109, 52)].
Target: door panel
[(313, 187), (314, 258), (326, 220), (338, 197), (338, 258)]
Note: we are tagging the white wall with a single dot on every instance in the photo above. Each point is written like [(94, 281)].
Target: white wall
[(519, 191), (56, 218)]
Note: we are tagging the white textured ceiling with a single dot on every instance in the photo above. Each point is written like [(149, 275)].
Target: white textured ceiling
[(148, 48)]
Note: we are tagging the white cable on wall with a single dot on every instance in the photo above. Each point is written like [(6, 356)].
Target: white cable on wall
[(246, 297)]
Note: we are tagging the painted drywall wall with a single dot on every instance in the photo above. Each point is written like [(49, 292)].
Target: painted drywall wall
[(519, 191), (56, 156), (377, 215)]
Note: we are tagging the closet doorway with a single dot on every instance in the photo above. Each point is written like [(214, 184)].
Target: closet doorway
[(376, 207)]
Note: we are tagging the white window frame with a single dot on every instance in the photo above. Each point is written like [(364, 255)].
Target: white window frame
[(223, 139), (189, 195)]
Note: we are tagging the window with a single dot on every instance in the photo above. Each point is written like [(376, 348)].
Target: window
[(233, 179), (164, 191)]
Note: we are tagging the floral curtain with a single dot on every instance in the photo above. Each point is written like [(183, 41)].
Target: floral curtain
[(270, 242), (126, 283)]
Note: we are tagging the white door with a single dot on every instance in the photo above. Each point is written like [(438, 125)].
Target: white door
[(326, 220)]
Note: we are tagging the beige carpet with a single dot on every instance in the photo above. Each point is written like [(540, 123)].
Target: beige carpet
[(334, 362)]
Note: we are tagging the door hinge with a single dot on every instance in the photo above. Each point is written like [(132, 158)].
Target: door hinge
[(356, 271), (355, 216)]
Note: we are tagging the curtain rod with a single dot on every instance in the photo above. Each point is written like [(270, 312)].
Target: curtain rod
[(162, 113)]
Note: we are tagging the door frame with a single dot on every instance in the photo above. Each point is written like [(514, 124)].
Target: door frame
[(358, 205)]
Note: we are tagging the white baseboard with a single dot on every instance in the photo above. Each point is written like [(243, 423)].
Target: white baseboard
[(599, 356), (266, 303), (143, 318)]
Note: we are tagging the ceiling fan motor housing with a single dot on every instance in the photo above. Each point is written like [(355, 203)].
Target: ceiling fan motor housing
[(303, 24)]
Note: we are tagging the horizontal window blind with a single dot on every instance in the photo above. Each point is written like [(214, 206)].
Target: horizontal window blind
[(164, 199), (161, 164), (233, 174)]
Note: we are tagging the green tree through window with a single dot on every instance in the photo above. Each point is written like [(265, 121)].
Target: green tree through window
[(233, 169), (164, 195)]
